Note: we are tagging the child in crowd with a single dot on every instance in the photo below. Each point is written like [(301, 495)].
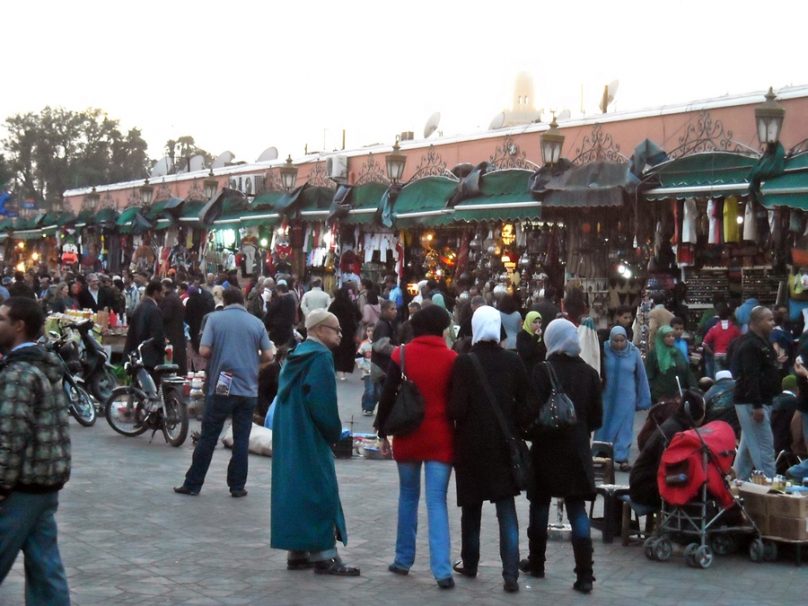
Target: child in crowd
[(678, 326), (370, 396)]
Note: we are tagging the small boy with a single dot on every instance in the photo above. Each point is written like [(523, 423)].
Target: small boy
[(678, 326), (370, 396)]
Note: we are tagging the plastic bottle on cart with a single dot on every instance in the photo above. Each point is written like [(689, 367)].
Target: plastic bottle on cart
[(169, 354)]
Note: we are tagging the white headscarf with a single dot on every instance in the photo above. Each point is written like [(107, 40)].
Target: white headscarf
[(561, 336), (485, 325)]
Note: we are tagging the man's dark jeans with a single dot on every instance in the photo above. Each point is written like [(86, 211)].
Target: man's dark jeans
[(217, 409)]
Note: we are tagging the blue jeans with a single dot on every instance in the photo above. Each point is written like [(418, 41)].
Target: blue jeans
[(27, 522), (576, 514), (371, 394), (436, 481), (508, 537), (217, 409), (756, 449), (800, 470)]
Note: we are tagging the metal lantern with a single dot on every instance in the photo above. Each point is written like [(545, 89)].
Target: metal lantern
[(769, 117), (92, 199), (288, 174), (146, 193), (551, 143), (211, 185), (395, 163)]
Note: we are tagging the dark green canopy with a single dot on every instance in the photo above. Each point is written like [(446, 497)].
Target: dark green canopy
[(707, 174)]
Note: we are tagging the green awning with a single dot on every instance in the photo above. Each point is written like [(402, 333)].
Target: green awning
[(54, 220), (423, 201), (131, 221), (256, 218), (267, 200), (162, 208), (504, 196), (591, 185), (307, 201), (789, 189), (364, 201), (707, 174), (106, 216), (85, 218)]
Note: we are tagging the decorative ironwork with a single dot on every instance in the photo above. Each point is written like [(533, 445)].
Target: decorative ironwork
[(705, 134), (272, 181), (432, 165), (107, 201), (163, 192), (371, 172), (317, 176), (799, 148), (196, 192), (510, 155), (598, 146), (134, 199)]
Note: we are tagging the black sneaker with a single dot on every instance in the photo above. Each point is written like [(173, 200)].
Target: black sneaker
[(511, 585), (185, 490), (336, 568)]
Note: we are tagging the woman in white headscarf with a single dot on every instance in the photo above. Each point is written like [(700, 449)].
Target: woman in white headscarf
[(562, 459), (482, 459)]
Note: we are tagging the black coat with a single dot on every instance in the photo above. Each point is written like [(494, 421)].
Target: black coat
[(643, 477), (348, 317), (531, 349), (147, 322), (562, 460), (280, 319), (174, 327), (197, 307), (482, 458)]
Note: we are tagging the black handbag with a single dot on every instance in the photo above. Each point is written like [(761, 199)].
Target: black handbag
[(407, 413), (521, 468), (558, 412)]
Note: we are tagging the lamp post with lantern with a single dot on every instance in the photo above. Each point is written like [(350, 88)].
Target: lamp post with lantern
[(288, 174), (551, 142), (769, 117), (395, 163)]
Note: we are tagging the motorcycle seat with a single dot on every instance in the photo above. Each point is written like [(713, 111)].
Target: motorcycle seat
[(163, 369)]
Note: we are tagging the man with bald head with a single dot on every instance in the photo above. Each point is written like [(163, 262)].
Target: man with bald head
[(754, 366)]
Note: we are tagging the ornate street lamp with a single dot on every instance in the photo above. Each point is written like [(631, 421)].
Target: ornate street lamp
[(146, 193), (395, 163), (551, 142), (211, 185), (92, 199), (288, 174), (769, 117)]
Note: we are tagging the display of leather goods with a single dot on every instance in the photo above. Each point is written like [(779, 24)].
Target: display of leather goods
[(407, 413), (558, 412), (518, 451)]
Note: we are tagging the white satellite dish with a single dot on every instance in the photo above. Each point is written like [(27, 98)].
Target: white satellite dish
[(497, 122), (564, 115), (269, 154), (223, 159), (196, 163), (161, 168), (609, 91), (431, 124)]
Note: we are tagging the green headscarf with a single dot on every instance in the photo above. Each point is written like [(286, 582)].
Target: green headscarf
[(529, 318), (664, 353)]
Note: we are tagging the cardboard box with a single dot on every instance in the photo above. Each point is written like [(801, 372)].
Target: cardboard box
[(793, 529), (755, 503), (787, 506)]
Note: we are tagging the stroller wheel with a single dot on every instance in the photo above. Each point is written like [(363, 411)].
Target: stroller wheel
[(690, 552), (703, 556), (769, 551), (649, 547), (663, 549), (756, 550), (723, 544)]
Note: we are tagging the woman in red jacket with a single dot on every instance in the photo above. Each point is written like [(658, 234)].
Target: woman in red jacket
[(427, 363)]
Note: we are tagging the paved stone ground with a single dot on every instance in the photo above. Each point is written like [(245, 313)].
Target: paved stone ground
[(127, 539)]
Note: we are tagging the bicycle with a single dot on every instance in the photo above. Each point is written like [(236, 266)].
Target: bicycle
[(152, 401)]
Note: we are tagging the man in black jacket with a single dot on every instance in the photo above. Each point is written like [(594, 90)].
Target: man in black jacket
[(147, 323), (754, 365)]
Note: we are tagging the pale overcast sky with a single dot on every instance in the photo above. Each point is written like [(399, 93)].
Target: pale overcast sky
[(244, 75)]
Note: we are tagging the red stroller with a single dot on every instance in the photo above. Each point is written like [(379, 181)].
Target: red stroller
[(696, 498)]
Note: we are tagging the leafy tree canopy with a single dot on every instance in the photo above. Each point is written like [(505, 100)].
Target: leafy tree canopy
[(182, 149)]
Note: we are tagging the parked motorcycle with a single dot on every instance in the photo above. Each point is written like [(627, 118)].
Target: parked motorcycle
[(91, 360), (80, 404), (152, 401)]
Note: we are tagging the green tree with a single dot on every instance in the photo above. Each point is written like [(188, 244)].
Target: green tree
[(182, 149), (59, 149)]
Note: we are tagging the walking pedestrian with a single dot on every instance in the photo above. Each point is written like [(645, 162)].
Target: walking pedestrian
[(665, 364), (147, 323), (231, 341), (348, 316), (625, 391), (482, 457), (428, 363), (173, 314), (34, 453), (529, 343), (757, 380), (314, 298), (306, 517)]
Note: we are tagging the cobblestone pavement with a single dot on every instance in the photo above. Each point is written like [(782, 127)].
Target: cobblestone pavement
[(127, 539)]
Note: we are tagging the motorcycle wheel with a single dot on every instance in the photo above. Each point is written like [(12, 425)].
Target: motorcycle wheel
[(80, 405), (175, 422), (126, 411), (102, 384)]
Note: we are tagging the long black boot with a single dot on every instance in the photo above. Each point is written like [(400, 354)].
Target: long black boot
[(537, 545), (582, 548)]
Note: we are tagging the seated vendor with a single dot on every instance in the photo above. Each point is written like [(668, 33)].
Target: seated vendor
[(719, 402), (643, 477)]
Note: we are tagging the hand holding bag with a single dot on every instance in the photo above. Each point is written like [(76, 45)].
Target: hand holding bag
[(407, 413), (558, 412), (518, 451)]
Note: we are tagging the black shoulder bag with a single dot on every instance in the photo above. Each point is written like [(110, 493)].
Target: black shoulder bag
[(517, 449), (558, 412), (407, 413)]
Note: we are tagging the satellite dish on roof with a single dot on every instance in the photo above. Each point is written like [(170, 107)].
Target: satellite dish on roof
[(223, 159), (162, 167), (609, 91), (270, 153), (431, 124), (497, 122), (564, 115), (196, 163)]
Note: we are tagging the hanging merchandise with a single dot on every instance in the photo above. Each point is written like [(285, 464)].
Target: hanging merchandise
[(749, 223), (689, 222), (713, 214), (731, 220)]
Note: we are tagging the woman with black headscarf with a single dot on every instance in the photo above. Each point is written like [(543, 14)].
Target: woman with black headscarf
[(348, 316)]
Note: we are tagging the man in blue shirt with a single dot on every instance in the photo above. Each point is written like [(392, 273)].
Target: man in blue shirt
[(232, 341)]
